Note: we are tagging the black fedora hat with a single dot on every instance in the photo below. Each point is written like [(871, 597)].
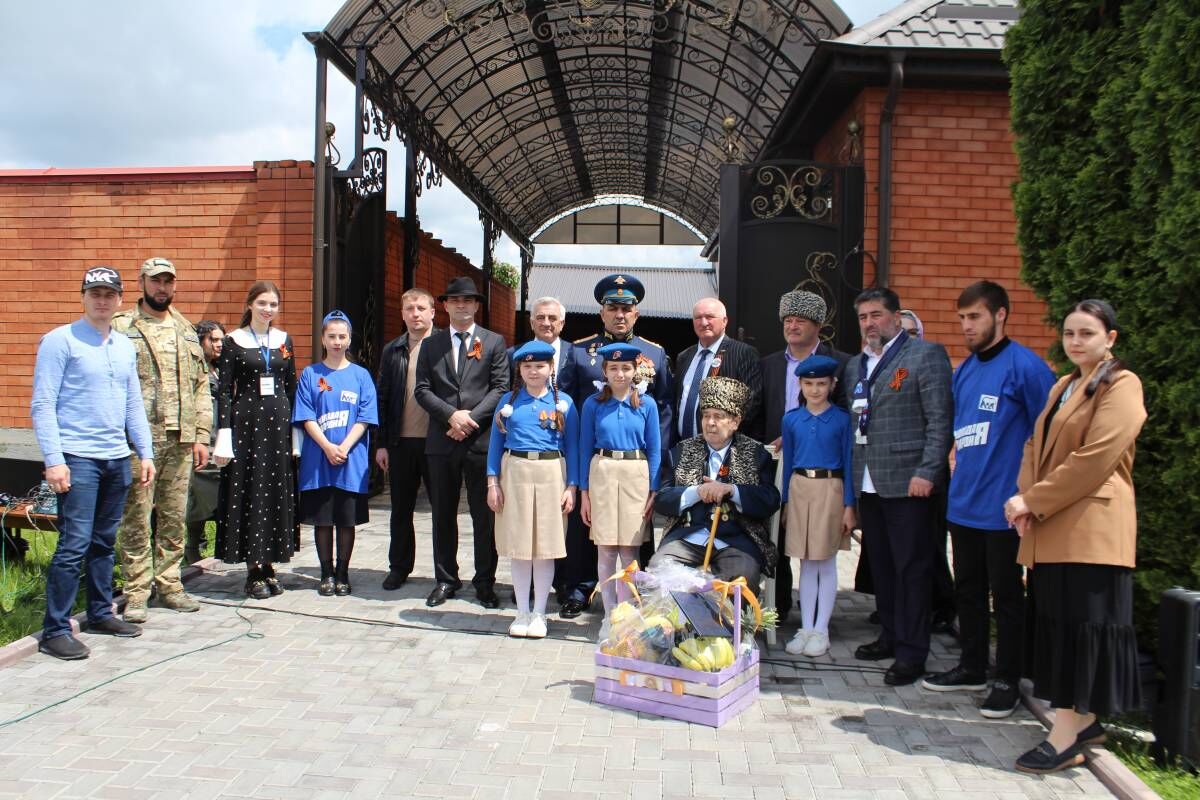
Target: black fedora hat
[(461, 287)]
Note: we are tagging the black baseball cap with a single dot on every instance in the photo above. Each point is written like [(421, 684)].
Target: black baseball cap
[(101, 276)]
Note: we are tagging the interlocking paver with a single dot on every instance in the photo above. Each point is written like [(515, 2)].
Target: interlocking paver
[(440, 703)]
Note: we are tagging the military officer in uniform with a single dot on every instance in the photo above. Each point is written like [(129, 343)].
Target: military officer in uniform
[(173, 373), (618, 296)]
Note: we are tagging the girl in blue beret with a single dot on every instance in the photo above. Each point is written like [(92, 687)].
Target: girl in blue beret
[(818, 498), (619, 455), (531, 481), (335, 402)]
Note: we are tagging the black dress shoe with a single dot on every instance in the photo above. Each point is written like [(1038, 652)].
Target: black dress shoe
[(394, 581), (877, 650), (901, 674), (1092, 734), (440, 594), (273, 587), (488, 598), (572, 608), (111, 626), (1044, 758), (326, 587), (257, 590), (341, 589), (66, 647)]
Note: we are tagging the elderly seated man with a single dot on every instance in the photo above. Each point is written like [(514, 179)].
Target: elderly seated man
[(727, 471)]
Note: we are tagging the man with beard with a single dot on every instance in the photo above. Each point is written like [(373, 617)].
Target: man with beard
[(999, 391), (900, 407), (618, 296), (173, 373), (206, 482)]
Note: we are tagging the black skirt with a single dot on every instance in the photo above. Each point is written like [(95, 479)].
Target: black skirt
[(1082, 650), (332, 506)]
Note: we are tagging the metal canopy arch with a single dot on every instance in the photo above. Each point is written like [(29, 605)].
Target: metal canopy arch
[(536, 107)]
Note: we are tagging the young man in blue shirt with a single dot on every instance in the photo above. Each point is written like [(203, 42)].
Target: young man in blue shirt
[(999, 391), (87, 406)]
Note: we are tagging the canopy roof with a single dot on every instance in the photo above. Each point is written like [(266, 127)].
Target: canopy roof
[(536, 107)]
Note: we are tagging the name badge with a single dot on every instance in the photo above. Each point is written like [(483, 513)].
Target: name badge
[(860, 437), (349, 396), (266, 385)]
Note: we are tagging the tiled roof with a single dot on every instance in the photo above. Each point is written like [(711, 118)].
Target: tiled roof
[(950, 24), (670, 291)]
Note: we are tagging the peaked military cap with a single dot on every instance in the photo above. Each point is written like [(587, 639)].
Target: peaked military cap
[(619, 288)]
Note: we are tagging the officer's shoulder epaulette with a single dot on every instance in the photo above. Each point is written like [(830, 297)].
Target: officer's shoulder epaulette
[(656, 344), (586, 338)]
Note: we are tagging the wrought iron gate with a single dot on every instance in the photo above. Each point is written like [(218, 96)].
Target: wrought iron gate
[(357, 254), (787, 225)]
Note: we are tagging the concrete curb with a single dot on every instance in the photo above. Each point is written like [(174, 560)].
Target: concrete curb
[(1107, 768), (28, 645)]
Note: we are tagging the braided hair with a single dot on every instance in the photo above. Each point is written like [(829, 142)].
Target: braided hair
[(518, 384)]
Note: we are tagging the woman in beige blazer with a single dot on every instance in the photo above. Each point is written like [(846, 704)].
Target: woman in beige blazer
[(1078, 524)]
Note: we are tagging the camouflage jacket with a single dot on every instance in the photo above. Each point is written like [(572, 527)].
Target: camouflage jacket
[(191, 378)]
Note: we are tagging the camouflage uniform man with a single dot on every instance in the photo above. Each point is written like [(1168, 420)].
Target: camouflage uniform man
[(174, 377)]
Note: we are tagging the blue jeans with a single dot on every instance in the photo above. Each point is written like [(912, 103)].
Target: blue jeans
[(88, 516)]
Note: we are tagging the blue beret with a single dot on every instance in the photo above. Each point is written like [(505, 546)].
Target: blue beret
[(816, 367), (537, 350), (337, 316), (619, 289), (619, 351)]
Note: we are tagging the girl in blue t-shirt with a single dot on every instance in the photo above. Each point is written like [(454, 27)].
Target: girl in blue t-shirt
[(335, 402)]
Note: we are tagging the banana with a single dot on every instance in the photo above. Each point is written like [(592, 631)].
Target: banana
[(690, 646), (686, 660)]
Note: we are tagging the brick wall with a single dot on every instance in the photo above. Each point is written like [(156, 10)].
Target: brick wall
[(437, 265), (223, 227), (952, 212)]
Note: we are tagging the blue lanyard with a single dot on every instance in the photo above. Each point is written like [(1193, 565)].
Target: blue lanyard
[(265, 350)]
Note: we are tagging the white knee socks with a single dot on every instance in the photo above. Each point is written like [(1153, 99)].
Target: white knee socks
[(543, 579), (522, 572), (818, 593)]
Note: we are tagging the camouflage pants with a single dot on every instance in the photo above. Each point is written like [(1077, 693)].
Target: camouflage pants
[(156, 557)]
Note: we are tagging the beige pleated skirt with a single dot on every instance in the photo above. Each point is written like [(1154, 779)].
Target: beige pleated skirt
[(531, 523), (618, 489), (814, 518)]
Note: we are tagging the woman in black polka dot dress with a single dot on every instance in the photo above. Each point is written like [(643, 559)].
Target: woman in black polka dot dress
[(254, 438)]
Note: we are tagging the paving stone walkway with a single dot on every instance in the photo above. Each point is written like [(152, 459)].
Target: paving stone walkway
[(440, 703)]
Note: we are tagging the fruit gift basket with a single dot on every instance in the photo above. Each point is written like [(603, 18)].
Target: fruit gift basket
[(682, 647)]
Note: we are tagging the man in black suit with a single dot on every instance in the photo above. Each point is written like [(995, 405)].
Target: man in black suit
[(716, 354), (802, 315), (461, 374), (726, 472)]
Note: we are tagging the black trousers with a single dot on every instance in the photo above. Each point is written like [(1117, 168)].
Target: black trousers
[(447, 474), (727, 564), (896, 530), (406, 473), (987, 561)]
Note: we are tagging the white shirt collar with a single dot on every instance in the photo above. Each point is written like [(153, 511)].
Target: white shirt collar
[(714, 348), (454, 334), (872, 354)]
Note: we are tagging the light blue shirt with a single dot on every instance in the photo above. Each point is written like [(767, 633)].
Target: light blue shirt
[(690, 497), (87, 400), (690, 374)]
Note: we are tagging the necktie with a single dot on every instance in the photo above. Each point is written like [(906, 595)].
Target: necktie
[(462, 351), (689, 406)]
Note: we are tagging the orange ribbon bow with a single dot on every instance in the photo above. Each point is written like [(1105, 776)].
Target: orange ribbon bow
[(476, 351), (898, 379), (322, 386), (283, 351), (724, 588), (625, 576)]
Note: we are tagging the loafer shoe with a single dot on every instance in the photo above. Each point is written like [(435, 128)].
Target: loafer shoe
[(440, 594), (176, 601), (341, 589), (393, 581), (877, 650), (326, 587), (572, 608), (111, 626), (487, 598), (135, 610), (1092, 734), (1044, 758), (65, 647), (901, 674), (955, 680)]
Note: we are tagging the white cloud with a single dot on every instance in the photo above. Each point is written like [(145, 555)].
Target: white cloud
[(152, 83)]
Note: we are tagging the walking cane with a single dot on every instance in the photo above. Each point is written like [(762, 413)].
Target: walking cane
[(712, 534)]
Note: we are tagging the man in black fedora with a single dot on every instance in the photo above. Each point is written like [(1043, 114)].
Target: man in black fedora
[(461, 373)]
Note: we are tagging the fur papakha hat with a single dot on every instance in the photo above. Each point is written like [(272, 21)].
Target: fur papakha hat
[(802, 304), (724, 394)]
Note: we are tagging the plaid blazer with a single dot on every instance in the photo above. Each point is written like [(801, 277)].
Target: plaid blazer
[(912, 415)]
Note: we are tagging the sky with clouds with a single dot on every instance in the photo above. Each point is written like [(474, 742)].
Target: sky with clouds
[(125, 83)]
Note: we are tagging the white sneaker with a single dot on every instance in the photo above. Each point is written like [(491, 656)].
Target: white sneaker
[(798, 642), (537, 627), (520, 626), (818, 644), (605, 631)]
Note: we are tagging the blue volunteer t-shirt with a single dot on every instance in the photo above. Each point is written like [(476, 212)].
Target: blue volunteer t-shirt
[(998, 395), (335, 399)]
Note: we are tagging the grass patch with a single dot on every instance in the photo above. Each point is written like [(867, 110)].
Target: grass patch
[(1169, 782)]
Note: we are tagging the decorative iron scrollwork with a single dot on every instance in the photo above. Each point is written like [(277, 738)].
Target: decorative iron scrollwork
[(807, 190), (817, 262), (429, 170), (374, 174)]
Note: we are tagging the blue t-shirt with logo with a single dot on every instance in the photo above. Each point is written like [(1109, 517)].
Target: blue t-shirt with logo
[(998, 395), (335, 399)]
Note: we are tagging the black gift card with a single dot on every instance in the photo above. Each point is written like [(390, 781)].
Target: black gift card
[(701, 611)]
